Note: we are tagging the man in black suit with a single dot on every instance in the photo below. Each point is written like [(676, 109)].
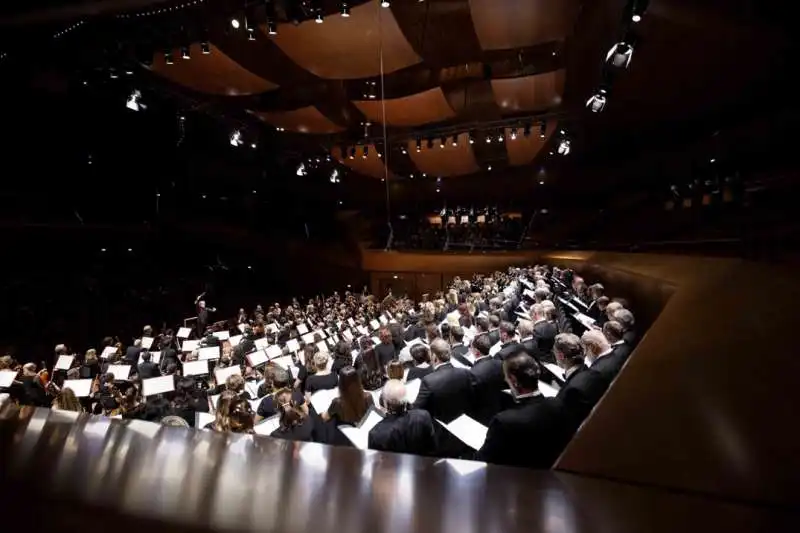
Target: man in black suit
[(132, 353), (422, 366), (583, 387), (385, 350), (494, 329), (544, 332), (457, 349), (147, 369), (526, 339), (446, 393), (488, 382), (595, 292), (403, 430), (614, 333), (599, 355), (625, 318), (534, 431), (507, 343)]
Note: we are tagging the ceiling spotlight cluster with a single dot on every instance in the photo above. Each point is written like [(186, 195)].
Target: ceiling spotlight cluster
[(177, 7), (619, 55)]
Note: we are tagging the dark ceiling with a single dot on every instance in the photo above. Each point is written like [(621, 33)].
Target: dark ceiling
[(450, 67)]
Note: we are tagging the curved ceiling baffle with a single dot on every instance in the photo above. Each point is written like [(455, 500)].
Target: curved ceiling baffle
[(371, 165), (523, 149), (530, 93), (415, 110), (213, 73), (444, 160), (508, 24)]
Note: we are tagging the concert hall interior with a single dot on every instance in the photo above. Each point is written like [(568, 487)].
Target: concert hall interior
[(473, 265)]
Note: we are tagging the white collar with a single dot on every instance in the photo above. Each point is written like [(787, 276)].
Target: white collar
[(423, 365), (526, 339), (540, 320), (571, 370), (527, 395), (457, 344), (440, 365), (618, 343)]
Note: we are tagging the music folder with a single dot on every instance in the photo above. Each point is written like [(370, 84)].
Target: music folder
[(81, 387), (195, 368), (412, 390), (268, 425), (64, 362), (322, 399), (257, 358), (467, 430), (359, 434)]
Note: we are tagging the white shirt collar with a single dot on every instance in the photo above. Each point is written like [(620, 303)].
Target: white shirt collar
[(526, 339), (527, 395), (571, 370), (618, 343), (437, 367), (610, 350), (423, 365), (540, 320)]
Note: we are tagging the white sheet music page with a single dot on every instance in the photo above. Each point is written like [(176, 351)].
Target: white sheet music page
[(195, 368), (274, 351), (201, 419), (222, 374), (322, 399), (108, 351), (547, 391), (267, 426), (189, 346), (293, 345), (468, 431), (64, 362), (257, 358), (222, 335), (412, 390), (209, 352), (262, 343), (235, 340), (555, 369), (159, 385), (7, 377), (302, 329), (81, 387), (359, 435), (183, 333), (121, 372), (155, 357)]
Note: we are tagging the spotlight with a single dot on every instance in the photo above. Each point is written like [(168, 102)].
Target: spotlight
[(500, 138), (335, 176), (168, 57), (235, 24), (513, 134), (637, 8), (442, 141), (385, 3), (564, 147), (272, 27), (319, 20), (471, 138), (205, 48), (301, 169), (345, 9), (251, 33), (597, 102), (455, 140), (419, 145), (133, 101), (542, 129), (620, 54), (488, 139), (403, 150), (352, 153), (185, 53), (365, 153), (236, 138)]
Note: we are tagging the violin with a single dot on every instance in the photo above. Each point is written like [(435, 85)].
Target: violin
[(44, 375)]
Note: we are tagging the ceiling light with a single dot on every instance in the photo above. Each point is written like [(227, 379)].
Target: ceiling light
[(542, 129), (564, 147), (455, 140), (489, 167), (272, 27), (441, 142), (488, 139), (319, 20), (636, 17), (168, 57), (637, 8), (133, 101), (235, 24), (471, 138), (335, 176), (352, 153), (301, 169), (419, 145), (205, 48), (185, 53), (251, 34), (500, 138), (345, 9), (620, 54), (385, 3), (253, 146), (597, 102), (365, 153), (236, 138), (513, 134)]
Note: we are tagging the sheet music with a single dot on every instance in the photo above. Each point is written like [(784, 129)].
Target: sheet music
[(322, 399), (351, 322), (302, 329), (293, 346), (209, 352), (274, 351), (147, 342), (267, 426), (284, 362), (155, 357), (241, 327), (222, 335), (235, 340), (348, 335), (195, 368), (359, 435), (257, 358), (7, 378), (273, 328), (412, 390), (362, 330), (121, 372), (190, 346), (201, 419), (262, 343), (159, 385), (320, 332), (108, 351), (81, 387), (222, 374), (322, 347), (547, 391), (308, 338), (555, 369), (468, 431), (383, 320), (252, 388), (64, 362), (183, 333)]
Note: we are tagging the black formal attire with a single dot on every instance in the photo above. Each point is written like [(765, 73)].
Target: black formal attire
[(631, 338), (507, 349), (488, 385), (608, 366), (31, 392), (458, 351), (202, 320), (531, 434), (316, 382), (446, 393), (168, 356), (582, 389), (268, 407), (412, 431), (418, 372), (305, 432), (89, 371), (132, 354), (494, 336), (622, 350), (544, 332), (385, 353), (148, 369)]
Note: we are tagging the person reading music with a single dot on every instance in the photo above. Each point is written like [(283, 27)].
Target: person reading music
[(446, 393), (403, 430), (295, 424), (583, 387), (533, 432)]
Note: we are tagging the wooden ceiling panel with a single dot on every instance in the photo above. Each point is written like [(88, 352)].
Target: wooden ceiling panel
[(213, 73), (348, 47), (529, 93), (523, 150), (304, 120), (371, 166), (421, 108), (444, 161), (504, 24)]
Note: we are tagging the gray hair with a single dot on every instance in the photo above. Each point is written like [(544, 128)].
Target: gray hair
[(541, 294), (569, 345), (525, 328), (624, 317), (320, 359), (537, 310), (441, 350), (595, 341), (394, 393)]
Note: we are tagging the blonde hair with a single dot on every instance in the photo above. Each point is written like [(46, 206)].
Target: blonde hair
[(235, 383), (91, 356), (321, 360), (67, 401)]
